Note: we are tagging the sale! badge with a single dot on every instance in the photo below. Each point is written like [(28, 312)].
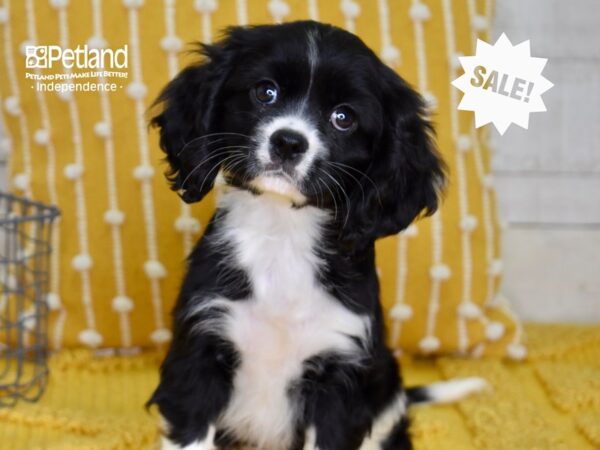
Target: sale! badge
[(502, 84)]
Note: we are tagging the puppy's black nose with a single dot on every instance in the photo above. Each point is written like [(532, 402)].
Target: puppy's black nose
[(287, 145)]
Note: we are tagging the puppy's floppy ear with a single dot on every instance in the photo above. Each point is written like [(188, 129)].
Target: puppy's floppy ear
[(406, 171), (188, 106)]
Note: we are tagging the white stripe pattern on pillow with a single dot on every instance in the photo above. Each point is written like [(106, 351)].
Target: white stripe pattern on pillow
[(144, 173), (313, 10), (350, 9), (439, 271), (389, 52), (53, 297), (82, 262), (11, 104), (461, 181), (122, 304)]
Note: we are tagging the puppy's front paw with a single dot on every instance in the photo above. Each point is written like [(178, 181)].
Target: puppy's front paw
[(206, 444), (310, 441)]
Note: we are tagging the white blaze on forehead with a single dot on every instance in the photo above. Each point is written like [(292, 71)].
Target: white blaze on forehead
[(313, 51), (299, 124), (313, 58)]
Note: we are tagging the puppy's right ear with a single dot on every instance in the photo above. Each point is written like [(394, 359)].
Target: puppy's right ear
[(188, 105)]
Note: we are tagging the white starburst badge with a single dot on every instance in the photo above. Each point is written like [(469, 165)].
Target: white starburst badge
[(502, 84)]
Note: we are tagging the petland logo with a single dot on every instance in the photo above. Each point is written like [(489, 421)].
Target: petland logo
[(82, 57)]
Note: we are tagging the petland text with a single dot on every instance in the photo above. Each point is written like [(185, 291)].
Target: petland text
[(82, 57)]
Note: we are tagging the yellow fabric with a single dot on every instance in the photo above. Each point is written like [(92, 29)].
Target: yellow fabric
[(96, 403), (470, 260)]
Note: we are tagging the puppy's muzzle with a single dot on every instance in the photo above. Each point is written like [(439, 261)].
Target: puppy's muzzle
[(286, 147)]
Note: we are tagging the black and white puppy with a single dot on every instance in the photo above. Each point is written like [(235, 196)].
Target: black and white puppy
[(319, 149)]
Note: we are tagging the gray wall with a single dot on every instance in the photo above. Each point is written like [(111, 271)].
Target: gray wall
[(3, 161), (548, 177)]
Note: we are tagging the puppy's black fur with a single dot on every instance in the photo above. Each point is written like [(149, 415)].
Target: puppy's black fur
[(384, 173)]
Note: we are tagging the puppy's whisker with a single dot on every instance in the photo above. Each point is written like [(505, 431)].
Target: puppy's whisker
[(334, 166), (246, 178), (211, 157), (217, 165), (204, 161), (345, 195), (234, 164), (362, 174), (335, 206), (212, 135), (319, 195), (364, 198), (313, 191), (194, 144)]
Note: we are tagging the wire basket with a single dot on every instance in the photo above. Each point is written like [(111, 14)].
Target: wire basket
[(25, 236)]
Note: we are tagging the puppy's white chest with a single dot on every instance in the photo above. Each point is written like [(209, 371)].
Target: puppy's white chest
[(289, 318), (273, 347)]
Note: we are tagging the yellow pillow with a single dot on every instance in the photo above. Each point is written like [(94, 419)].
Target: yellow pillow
[(123, 236)]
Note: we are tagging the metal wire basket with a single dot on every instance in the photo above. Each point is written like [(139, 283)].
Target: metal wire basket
[(25, 237)]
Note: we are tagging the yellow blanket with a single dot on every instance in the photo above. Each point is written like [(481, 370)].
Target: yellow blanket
[(552, 401)]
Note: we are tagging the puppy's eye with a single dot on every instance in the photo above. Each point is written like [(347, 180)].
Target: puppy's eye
[(343, 118), (266, 92)]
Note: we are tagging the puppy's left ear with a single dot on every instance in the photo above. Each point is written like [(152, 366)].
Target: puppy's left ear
[(407, 173)]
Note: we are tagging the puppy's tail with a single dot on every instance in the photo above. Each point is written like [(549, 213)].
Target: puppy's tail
[(445, 391)]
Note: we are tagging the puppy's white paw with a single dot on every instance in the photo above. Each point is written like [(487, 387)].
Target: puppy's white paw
[(206, 444), (310, 441)]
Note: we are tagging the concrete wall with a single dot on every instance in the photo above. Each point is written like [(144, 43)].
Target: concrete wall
[(548, 177)]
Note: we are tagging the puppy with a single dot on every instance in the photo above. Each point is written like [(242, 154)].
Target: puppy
[(318, 149)]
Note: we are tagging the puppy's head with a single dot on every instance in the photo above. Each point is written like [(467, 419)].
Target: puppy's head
[(307, 112)]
